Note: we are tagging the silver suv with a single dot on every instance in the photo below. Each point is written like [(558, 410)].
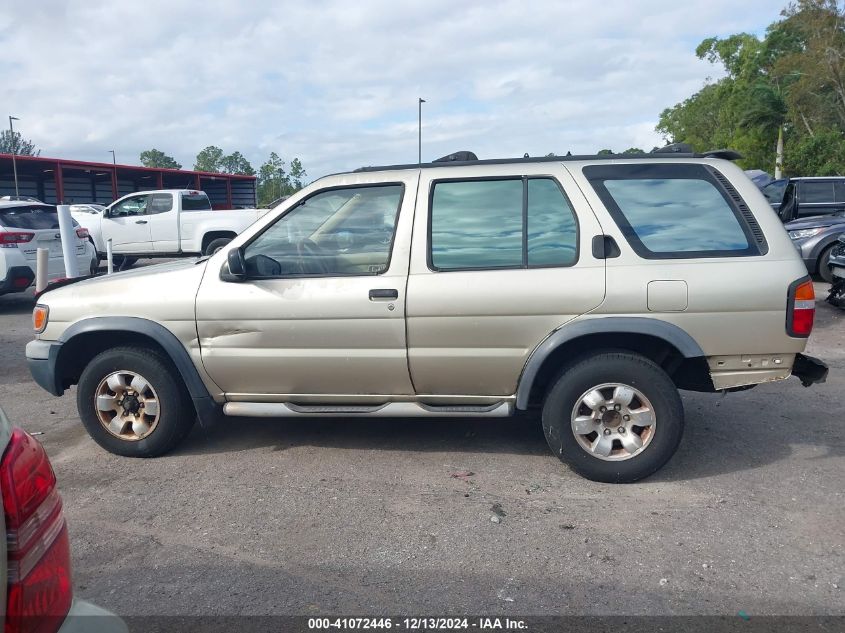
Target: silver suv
[(589, 288)]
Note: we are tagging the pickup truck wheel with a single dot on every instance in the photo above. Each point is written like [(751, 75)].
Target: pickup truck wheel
[(132, 402), (614, 417), (216, 245)]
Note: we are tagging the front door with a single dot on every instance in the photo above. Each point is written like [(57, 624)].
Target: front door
[(128, 226), (321, 315)]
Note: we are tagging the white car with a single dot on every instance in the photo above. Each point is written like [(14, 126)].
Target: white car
[(24, 228)]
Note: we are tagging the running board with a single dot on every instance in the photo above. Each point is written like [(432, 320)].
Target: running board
[(387, 410)]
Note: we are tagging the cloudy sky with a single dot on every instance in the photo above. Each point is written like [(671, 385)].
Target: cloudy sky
[(336, 82)]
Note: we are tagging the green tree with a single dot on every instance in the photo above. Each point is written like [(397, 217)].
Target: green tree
[(17, 144), (235, 163), (156, 158), (274, 182), (209, 159), (634, 150), (605, 152)]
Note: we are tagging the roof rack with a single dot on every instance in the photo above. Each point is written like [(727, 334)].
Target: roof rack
[(465, 158)]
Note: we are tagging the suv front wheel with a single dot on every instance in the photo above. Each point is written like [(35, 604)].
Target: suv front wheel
[(133, 402), (614, 417)]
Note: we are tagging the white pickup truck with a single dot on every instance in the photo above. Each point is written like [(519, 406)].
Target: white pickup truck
[(164, 223)]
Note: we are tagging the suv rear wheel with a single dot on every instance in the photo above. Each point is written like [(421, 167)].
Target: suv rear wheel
[(614, 417), (133, 402)]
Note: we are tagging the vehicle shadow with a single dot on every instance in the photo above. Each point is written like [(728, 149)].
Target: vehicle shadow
[(17, 302), (722, 435)]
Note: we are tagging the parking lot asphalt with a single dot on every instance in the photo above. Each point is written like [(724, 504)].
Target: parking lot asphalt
[(364, 516)]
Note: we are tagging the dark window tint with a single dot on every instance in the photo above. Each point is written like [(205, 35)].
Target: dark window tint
[(195, 202), (161, 203), (774, 191), (840, 191), (477, 224), (816, 191), (34, 218), (552, 230)]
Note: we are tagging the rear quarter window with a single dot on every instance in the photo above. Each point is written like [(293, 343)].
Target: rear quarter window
[(34, 218), (675, 211)]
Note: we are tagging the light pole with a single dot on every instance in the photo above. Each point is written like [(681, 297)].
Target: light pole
[(419, 133), (14, 152), (113, 158)]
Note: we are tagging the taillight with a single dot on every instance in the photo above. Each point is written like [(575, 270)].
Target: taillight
[(39, 580), (82, 233), (801, 308), (13, 238)]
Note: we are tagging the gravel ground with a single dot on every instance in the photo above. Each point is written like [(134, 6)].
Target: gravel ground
[(364, 517)]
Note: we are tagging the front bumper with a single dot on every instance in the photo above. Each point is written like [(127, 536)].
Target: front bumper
[(85, 617), (42, 357), (809, 370)]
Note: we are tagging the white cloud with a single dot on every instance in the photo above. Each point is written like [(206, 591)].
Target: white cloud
[(336, 83)]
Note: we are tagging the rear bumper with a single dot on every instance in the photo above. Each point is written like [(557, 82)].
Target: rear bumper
[(809, 370), (41, 356), (85, 617), (18, 279)]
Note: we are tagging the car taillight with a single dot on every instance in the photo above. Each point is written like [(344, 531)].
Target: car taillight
[(13, 238), (39, 579), (82, 233), (801, 308)]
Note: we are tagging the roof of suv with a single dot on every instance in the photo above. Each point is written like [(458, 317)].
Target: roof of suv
[(663, 154)]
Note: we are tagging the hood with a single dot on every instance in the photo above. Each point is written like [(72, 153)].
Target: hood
[(815, 222), (160, 292)]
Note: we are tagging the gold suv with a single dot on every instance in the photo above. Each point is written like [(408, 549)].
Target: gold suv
[(589, 288)]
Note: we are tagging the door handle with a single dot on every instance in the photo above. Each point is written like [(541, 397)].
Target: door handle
[(140, 221), (384, 293)]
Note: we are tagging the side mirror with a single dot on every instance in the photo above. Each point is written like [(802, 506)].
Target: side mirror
[(236, 264)]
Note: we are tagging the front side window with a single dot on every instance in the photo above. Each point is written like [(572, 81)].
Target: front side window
[(136, 205), (672, 211), (345, 231), (509, 223)]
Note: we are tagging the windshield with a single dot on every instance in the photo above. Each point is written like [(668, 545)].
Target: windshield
[(35, 217)]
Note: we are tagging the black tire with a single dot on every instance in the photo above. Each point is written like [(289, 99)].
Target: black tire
[(614, 367), (824, 265), (176, 411), (216, 245)]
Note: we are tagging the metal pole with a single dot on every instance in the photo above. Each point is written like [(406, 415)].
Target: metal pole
[(109, 258), (419, 133), (42, 261), (68, 235), (14, 152), (113, 158)]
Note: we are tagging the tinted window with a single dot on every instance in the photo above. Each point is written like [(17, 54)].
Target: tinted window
[(552, 231), (34, 218), (337, 232), (840, 191), (476, 224), (816, 191), (161, 203), (774, 191), (670, 215), (195, 202)]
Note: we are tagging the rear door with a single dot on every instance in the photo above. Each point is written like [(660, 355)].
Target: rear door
[(498, 262), (128, 225), (163, 217), (816, 197)]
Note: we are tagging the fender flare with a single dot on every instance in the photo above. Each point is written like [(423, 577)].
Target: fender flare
[(207, 409), (664, 330)]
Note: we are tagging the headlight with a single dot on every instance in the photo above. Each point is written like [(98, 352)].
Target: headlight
[(797, 235), (39, 318)]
